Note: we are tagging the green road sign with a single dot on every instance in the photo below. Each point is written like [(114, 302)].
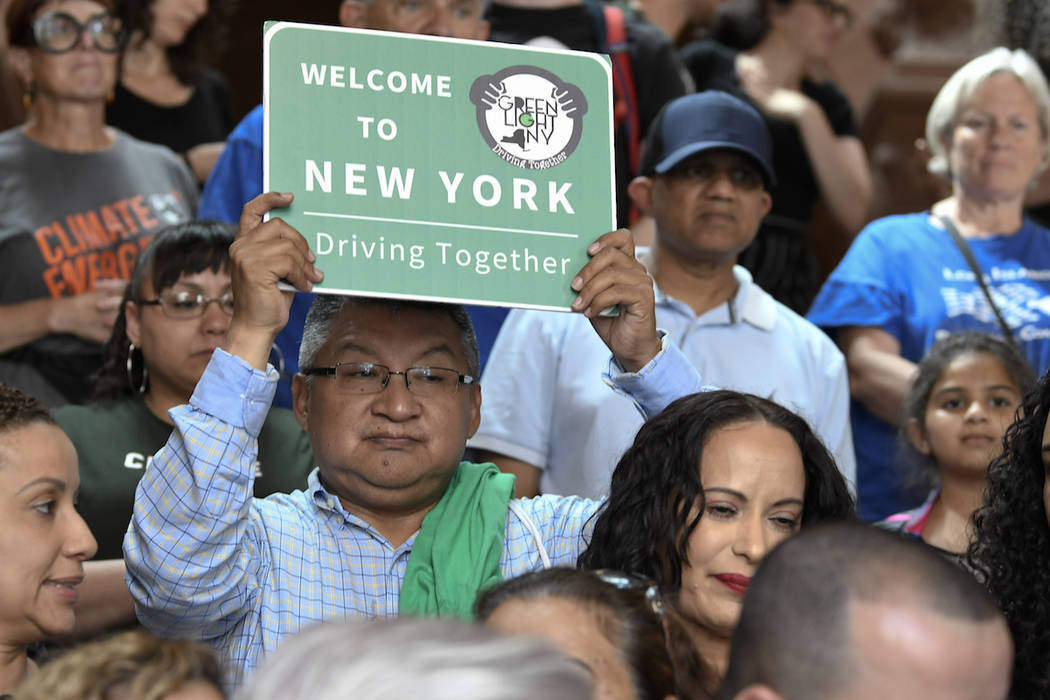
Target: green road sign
[(438, 168)]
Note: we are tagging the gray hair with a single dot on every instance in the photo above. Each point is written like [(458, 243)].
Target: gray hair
[(414, 658), (960, 87), (318, 324)]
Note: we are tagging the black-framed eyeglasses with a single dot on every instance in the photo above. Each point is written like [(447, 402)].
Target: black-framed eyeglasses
[(372, 378), (183, 305), (59, 32), (632, 582), (836, 11)]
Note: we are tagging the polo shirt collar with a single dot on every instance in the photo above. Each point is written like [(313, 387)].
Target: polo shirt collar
[(751, 304)]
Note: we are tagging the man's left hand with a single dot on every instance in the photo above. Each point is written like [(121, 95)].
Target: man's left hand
[(613, 277)]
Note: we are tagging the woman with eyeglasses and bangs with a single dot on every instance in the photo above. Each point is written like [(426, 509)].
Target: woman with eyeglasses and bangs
[(80, 200), (773, 53), (175, 312)]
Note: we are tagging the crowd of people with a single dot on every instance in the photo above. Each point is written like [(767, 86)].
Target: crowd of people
[(746, 484)]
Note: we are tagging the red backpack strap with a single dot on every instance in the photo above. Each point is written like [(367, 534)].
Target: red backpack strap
[(625, 95)]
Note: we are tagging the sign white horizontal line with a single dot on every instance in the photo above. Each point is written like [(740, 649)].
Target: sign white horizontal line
[(441, 224)]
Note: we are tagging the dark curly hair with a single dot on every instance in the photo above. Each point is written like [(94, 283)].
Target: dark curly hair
[(181, 249), (1011, 546), (645, 525), (18, 409), (203, 43)]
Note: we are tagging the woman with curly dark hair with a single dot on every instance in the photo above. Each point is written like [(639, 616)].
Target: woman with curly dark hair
[(708, 487), (1011, 548), (166, 94)]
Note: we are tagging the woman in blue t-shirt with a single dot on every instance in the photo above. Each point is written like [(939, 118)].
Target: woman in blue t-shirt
[(905, 282)]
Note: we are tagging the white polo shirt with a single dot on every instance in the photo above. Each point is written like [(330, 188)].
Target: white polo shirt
[(544, 401)]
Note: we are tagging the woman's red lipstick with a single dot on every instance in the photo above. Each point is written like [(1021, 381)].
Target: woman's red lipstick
[(734, 582)]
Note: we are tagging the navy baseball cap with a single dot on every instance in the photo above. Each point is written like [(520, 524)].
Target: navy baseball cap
[(704, 121)]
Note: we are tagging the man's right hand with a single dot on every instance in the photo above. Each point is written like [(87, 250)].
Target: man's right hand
[(262, 254)]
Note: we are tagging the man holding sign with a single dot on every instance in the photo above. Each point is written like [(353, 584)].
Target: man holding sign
[(391, 520)]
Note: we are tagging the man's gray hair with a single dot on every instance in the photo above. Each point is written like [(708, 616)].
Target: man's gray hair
[(319, 324), (423, 659), (957, 91)]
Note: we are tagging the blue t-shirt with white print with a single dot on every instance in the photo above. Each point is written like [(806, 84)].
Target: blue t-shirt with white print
[(904, 274)]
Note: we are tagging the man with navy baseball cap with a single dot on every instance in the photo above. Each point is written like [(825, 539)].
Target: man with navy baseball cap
[(706, 172), (703, 122)]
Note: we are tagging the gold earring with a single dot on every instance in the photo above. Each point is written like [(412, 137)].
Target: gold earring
[(27, 97)]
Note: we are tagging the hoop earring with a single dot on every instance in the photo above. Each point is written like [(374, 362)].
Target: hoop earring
[(139, 388)]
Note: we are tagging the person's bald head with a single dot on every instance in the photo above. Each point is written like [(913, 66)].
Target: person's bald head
[(849, 612)]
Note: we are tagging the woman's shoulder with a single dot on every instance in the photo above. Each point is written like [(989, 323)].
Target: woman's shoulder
[(14, 143), (211, 78), (110, 421), (136, 153), (896, 228), (281, 421), (126, 143), (886, 244), (211, 86), (824, 91), (1031, 227), (105, 412), (834, 103)]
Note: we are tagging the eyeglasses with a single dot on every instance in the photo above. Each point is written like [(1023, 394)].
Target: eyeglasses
[(836, 11), (182, 305), (706, 170), (59, 32), (631, 582), (372, 378)]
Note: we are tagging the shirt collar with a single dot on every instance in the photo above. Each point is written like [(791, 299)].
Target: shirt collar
[(327, 501), (751, 304)]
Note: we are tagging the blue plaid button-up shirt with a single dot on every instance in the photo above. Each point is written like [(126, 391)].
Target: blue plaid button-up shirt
[(208, 561)]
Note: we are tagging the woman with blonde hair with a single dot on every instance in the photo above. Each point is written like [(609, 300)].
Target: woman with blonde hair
[(972, 262), (133, 665)]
